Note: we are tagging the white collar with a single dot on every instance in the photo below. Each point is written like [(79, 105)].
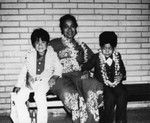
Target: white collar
[(109, 61)]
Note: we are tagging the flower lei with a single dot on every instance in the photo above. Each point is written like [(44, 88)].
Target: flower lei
[(103, 67), (73, 53), (70, 45), (85, 52)]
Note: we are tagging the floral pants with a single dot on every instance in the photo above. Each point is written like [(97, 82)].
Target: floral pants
[(81, 97)]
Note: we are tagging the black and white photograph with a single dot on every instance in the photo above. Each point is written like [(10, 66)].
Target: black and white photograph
[(74, 61)]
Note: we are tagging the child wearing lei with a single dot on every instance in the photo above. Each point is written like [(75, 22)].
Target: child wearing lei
[(110, 70)]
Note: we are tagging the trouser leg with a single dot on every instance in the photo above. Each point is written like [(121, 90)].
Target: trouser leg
[(109, 104), (121, 104), (42, 114), (93, 94), (40, 91), (68, 94), (20, 102), (101, 113)]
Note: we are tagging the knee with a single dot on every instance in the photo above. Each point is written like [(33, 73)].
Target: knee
[(122, 96), (109, 103), (109, 98), (94, 97), (20, 99), (71, 100)]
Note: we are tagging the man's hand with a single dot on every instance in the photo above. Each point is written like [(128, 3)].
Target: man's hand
[(85, 75), (16, 89), (52, 80)]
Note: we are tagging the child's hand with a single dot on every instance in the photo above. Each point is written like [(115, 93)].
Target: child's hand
[(109, 83), (30, 78), (117, 80), (38, 78), (16, 89), (114, 84)]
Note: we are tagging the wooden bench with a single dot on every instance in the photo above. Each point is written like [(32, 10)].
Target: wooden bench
[(138, 96), (52, 102)]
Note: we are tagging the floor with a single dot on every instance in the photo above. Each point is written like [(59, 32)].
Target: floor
[(141, 115)]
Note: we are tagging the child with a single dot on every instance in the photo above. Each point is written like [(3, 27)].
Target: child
[(41, 64), (110, 70)]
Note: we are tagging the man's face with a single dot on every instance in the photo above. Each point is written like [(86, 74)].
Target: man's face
[(107, 50), (69, 30)]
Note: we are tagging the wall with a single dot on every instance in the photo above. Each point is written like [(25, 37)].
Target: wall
[(130, 19)]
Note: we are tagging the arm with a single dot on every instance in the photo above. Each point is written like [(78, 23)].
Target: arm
[(122, 75), (122, 69), (89, 64), (86, 67), (87, 52), (21, 79), (57, 66), (57, 71), (52, 66)]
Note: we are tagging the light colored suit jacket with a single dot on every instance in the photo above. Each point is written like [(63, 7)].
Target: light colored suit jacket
[(52, 66)]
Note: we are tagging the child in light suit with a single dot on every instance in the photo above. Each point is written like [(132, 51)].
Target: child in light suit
[(41, 65)]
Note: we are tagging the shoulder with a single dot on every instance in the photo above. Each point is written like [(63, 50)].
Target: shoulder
[(50, 48), (54, 41), (56, 44), (50, 51), (82, 44), (96, 56), (30, 53), (117, 53)]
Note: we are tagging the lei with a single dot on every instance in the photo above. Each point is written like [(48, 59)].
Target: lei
[(103, 67), (85, 52), (70, 45), (70, 63)]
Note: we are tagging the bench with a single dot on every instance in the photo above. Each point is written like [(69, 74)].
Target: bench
[(52, 102), (138, 96)]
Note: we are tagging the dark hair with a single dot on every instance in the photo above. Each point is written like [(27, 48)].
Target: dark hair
[(39, 33), (108, 37), (67, 17)]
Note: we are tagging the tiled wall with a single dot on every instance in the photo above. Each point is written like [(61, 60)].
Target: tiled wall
[(130, 19)]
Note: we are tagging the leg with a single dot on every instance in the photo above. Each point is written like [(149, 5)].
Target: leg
[(93, 94), (40, 91), (121, 104), (22, 110), (109, 104), (85, 115), (42, 114), (67, 91), (101, 113), (68, 94)]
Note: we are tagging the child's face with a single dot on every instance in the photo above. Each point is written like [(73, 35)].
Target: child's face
[(107, 50), (40, 46)]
